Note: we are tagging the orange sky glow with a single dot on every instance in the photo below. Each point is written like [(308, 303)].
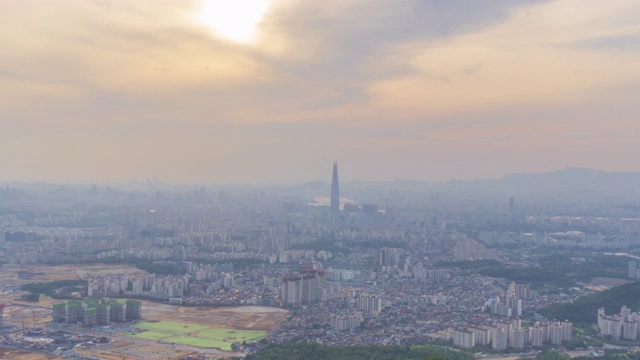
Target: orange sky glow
[(275, 90)]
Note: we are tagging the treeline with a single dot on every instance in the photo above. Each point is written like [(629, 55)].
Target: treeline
[(534, 276), (150, 266), (326, 245), (585, 309), (31, 297), (165, 267), (314, 351), (562, 270), (595, 265), (153, 267), (237, 263), (376, 244), (49, 288), (613, 354), (540, 228), (161, 268), (465, 265)]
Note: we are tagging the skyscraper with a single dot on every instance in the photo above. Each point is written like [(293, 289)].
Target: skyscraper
[(335, 192)]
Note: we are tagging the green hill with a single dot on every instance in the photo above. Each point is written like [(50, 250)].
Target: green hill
[(313, 351), (585, 309)]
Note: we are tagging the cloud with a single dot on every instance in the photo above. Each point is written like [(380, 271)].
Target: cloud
[(523, 60), (408, 88), (145, 52), (334, 50)]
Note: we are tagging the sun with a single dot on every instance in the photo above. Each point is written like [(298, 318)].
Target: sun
[(234, 20)]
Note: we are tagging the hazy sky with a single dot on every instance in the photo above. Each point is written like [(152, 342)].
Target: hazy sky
[(196, 91)]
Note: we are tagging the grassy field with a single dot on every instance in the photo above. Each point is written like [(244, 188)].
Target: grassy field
[(236, 335), (170, 327), (196, 335)]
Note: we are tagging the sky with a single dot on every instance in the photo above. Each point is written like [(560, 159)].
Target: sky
[(275, 91)]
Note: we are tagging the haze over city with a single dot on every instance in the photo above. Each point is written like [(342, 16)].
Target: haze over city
[(275, 91), (314, 180)]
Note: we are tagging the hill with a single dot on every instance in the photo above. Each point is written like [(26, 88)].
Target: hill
[(565, 180), (570, 181), (585, 309), (313, 351)]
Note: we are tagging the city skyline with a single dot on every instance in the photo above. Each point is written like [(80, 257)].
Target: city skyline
[(205, 92)]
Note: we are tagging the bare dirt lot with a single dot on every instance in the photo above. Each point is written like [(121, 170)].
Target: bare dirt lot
[(138, 351), (239, 318), (6, 353), (25, 313), (242, 317), (23, 274)]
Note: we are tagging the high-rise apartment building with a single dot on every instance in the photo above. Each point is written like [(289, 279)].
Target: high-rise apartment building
[(499, 339), (370, 303), (463, 338), (536, 335), (390, 256), (304, 288), (517, 338), (623, 325), (134, 309)]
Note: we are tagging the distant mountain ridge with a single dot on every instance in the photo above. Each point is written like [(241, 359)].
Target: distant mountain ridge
[(565, 180), (568, 180)]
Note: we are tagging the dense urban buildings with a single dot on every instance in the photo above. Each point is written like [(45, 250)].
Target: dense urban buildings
[(623, 325), (401, 267), (166, 192)]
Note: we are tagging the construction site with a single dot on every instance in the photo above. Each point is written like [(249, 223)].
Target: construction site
[(23, 274), (118, 328), (128, 329), (92, 312)]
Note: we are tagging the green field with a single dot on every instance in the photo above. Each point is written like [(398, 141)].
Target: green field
[(170, 327), (236, 335), (196, 335)]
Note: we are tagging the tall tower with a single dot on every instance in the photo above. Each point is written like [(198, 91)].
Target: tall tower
[(335, 192)]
